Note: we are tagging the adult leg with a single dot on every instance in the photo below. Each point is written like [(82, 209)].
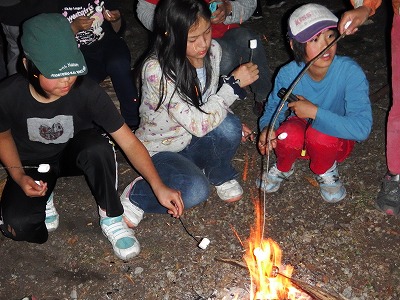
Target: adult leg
[(177, 172), (388, 199), (213, 153), (117, 59), (393, 122)]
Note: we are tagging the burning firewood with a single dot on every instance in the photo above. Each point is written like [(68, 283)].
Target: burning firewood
[(312, 291)]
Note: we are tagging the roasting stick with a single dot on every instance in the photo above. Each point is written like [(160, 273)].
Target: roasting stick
[(289, 91)]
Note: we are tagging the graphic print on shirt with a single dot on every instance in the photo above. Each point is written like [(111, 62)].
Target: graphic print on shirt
[(94, 11), (57, 130)]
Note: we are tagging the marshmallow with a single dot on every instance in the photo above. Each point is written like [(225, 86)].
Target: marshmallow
[(253, 44), (204, 243), (44, 168)]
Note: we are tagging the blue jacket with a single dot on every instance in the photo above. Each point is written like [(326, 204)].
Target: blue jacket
[(342, 97)]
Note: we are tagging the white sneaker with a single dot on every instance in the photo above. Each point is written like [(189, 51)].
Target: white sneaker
[(133, 214), (52, 216), (122, 238), (230, 191)]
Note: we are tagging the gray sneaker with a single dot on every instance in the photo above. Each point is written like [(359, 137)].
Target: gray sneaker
[(388, 199), (271, 181), (331, 188)]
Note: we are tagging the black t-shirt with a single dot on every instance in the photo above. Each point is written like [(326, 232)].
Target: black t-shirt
[(41, 130), (101, 30)]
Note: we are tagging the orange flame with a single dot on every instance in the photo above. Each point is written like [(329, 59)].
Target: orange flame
[(269, 278)]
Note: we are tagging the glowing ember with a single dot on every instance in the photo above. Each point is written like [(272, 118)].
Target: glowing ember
[(269, 278)]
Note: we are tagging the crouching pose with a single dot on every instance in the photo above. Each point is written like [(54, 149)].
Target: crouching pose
[(332, 112), (186, 123), (48, 116)]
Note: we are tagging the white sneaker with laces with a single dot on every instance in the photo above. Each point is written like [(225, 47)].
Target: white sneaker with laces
[(230, 191), (52, 217), (121, 237), (133, 214)]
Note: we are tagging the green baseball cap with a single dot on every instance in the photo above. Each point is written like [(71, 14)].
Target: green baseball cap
[(49, 42)]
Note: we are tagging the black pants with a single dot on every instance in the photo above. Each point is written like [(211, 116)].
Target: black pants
[(89, 154)]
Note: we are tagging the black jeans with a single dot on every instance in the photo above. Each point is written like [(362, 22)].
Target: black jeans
[(89, 154)]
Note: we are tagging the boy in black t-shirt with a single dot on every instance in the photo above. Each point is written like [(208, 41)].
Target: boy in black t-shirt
[(48, 117)]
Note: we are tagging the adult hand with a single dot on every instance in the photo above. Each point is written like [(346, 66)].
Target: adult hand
[(246, 73), (303, 108), (170, 199), (223, 10), (266, 141), (81, 23), (355, 18)]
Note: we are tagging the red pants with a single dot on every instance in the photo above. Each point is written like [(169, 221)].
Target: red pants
[(322, 150)]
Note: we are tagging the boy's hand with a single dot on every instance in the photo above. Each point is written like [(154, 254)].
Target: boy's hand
[(170, 199), (31, 187), (303, 108), (264, 145), (356, 17), (246, 73)]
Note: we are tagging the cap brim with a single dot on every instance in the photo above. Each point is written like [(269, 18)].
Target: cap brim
[(310, 32)]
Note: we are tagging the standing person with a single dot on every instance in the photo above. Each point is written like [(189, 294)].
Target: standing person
[(186, 123), (12, 14), (47, 116), (332, 113), (388, 199), (97, 25), (233, 39)]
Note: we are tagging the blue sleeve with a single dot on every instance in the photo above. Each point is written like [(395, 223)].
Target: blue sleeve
[(284, 78), (349, 115)]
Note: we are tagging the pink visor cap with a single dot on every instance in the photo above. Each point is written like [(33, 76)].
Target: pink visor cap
[(309, 20)]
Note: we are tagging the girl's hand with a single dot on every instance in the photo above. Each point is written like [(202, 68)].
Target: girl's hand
[(31, 187), (111, 15), (170, 199), (81, 23), (266, 141), (223, 10), (303, 108), (246, 73), (247, 133)]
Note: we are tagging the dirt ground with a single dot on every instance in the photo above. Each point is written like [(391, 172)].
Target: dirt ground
[(349, 250)]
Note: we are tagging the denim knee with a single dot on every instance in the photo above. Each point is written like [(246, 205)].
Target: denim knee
[(230, 130), (195, 191)]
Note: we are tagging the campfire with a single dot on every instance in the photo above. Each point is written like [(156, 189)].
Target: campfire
[(270, 279)]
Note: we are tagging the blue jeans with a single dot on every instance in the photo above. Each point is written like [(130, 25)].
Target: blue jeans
[(206, 160), (112, 57), (236, 51)]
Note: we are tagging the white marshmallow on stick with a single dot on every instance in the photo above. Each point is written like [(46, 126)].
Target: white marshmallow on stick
[(253, 45)]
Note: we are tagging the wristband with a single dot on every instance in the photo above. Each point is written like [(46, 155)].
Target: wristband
[(234, 83)]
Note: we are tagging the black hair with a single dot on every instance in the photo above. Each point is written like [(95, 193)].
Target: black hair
[(32, 73), (172, 22), (299, 49)]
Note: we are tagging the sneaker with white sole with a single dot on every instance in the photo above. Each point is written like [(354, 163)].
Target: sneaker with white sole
[(230, 191), (271, 181), (133, 214), (121, 237), (52, 217), (331, 188)]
